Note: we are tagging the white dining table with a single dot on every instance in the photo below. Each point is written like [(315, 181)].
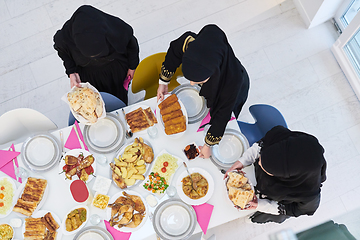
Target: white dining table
[(59, 199)]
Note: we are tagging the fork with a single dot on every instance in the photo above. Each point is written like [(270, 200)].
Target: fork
[(129, 134), (62, 145)]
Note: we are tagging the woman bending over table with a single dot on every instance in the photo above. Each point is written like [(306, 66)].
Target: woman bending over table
[(208, 60), (289, 170), (98, 48)]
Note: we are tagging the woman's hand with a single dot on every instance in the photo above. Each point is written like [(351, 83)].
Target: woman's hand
[(130, 73), (162, 90), (253, 203), (205, 151), (237, 165), (74, 80)]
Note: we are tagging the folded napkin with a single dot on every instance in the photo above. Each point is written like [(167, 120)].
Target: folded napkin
[(203, 215), (126, 82), (7, 161), (207, 120), (73, 141), (116, 233)]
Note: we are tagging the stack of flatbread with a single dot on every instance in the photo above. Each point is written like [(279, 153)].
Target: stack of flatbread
[(41, 228), (33, 193), (86, 102), (240, 191), (140, 119), (172, 115)]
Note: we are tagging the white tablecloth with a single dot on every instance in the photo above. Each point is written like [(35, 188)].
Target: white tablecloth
[(60, 200)]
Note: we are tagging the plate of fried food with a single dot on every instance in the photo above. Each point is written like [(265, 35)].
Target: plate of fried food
[(75, 219), (140, 118), (7, 196), (127, 211), (198, 189), (239, 188), (132, 163), (172, 116), (161, 173), (86, 103), (31, 196), (42, 225), (77, 164)]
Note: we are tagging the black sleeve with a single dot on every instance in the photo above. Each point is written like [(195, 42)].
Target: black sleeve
[(174, 55), (68, 61), (302, 208), (133, 53)]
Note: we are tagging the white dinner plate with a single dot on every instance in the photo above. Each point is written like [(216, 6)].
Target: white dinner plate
[(199, 201), (14, 198), (106, 135), (93, 233), (159, 119), (179, 162), (174, 219), (231, 147), (41, 152), (116, 196), (195, 104), (75, 153), (63, 224), (148, 166), (40, 214), (41, 203)]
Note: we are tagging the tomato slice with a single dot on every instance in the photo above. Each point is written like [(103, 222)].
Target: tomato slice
[(166, 164), (163, 169)]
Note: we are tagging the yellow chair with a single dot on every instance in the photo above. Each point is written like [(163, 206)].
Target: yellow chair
[(146, 75)]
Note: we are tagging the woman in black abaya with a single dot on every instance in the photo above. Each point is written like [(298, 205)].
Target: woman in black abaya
[(289, 169), (208, 59), (98, 48)]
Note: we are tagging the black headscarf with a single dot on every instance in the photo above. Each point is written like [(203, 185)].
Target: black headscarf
[(296, 161), (210, 55)]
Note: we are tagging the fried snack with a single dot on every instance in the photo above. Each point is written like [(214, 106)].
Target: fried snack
[(86, 102), (169, 116), (31, 196), (50, 222), (177, 128), (168, 101), (174, 121), (50, 235), (150, 116), (170, 108), (137, 120), (34, 229)]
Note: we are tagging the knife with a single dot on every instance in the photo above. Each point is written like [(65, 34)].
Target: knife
[(78, 136), (62, 145)]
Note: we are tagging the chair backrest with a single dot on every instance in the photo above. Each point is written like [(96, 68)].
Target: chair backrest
[(111, 103), (20, 123), (266, 117), (147, 73)]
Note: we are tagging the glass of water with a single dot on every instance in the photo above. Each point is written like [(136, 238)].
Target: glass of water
[(95, 219), (171, 191), (101, 159), (22, 173), (152, 131)]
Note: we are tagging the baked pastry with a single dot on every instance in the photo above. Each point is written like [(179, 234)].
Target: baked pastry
[(34, 229), (33, 193), (140, 119), (86, 102), (237, 180), (240, 197), (50, 222), (172, 115)]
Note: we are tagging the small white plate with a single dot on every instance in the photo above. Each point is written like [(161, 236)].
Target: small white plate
[(41, 203), (63, 224), (14, 199), (113, 199), (199, 201), (40, 214), (159, 119), (75, 153)]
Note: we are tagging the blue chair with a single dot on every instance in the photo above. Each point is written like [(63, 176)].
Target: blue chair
[(111, 103), (266, 117)]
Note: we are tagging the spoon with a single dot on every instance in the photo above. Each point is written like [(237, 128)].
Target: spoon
[(128, 134), (193, 184)]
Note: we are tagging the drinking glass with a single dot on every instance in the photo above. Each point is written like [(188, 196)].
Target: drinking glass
[(152, 131), (101, 159), (171, 191), (22, 173), (95, 219)]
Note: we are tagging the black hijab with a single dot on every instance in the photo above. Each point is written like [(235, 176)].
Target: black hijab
[(94, 33), (296, 161), (210, 55)]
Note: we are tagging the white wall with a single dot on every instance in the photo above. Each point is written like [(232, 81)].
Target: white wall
[(315, 12)]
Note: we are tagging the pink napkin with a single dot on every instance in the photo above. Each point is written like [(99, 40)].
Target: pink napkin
[(6, 163), (117, 235), (126, 82), (73, 142), (203, 215), (207, 120)]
